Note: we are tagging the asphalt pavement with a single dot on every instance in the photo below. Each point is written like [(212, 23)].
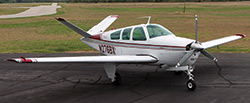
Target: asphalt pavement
[(88, 83)]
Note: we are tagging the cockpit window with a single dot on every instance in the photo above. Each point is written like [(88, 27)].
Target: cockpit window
[(157, 30), (115, 35), (139, 34), (126, 34)]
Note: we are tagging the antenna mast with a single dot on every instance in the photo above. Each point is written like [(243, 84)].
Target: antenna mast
[(149, 17)]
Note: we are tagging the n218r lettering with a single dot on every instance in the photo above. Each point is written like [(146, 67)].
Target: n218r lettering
[(107, 49)]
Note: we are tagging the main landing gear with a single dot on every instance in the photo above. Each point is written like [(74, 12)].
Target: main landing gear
[(110, 69), (117, 80)]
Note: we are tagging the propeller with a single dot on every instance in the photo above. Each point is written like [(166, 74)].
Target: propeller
[(195, 47)]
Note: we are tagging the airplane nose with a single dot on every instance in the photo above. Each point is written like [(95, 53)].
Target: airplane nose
[(196, 46)]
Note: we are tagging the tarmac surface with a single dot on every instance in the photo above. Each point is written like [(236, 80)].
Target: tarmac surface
[(88, 83), (35, 11)]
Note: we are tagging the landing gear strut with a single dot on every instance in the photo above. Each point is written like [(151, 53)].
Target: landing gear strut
[(110, 69), (191, 85), (117, 80)]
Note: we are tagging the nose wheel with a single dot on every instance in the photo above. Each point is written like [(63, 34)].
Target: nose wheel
[(191, 85)]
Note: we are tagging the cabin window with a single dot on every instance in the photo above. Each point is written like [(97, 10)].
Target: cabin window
[(157, 30), (139, 34), (115, 35), (126, 34)]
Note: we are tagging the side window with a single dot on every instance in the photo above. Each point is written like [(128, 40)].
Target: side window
[(138, 34), (115, 35), (126, 34)]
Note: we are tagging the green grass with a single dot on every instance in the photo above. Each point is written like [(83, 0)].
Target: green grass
[(44, 34), (56, 46), (7, 11)]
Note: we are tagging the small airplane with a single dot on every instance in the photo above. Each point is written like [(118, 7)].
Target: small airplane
[(149, 44)]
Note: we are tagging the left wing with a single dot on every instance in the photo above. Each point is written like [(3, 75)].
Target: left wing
[(213, 43), (90, 59)]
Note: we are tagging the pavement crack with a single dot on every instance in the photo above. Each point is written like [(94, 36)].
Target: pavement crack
[(223, 77), (137, 84), (39, 76), (98, 79), (79, 81)]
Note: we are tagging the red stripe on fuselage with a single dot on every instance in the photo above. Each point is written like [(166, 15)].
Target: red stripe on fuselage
[(96, 38)]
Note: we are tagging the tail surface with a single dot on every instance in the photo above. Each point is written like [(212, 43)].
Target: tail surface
[(75, 28), (103, 25), (97, 29)]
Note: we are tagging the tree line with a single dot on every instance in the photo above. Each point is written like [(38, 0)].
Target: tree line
[(107, 1)]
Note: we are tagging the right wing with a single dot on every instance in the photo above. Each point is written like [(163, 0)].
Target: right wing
[(216, 42), (89, 59)]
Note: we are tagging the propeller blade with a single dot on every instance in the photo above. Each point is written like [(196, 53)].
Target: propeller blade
[(196, 29), (210, 56), (184, 58)]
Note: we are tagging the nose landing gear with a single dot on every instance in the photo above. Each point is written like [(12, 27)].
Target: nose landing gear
[(191, 85)]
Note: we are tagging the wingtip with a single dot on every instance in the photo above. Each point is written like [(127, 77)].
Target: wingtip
[(116, 16), (12, 60), (22, 60), (60, 19), (241, 35)]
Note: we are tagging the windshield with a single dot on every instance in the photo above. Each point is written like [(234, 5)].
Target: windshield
[(155, 30)]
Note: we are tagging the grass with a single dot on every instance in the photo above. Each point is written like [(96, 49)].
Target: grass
[(7, 11), (43, 46), (44, 34)]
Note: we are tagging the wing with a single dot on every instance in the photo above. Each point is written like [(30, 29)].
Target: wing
[(103, 25), (216, 42), (89, 59)]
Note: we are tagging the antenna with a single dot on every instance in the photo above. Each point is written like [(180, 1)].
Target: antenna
[(149, 17), (196, 28)]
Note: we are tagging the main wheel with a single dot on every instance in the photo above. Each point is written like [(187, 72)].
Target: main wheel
[(118, 79), (191, 85)]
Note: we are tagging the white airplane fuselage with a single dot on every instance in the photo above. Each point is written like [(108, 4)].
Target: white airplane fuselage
[(168, 49)]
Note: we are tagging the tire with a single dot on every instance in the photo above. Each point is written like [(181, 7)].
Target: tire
[(117, 81), (191, 85)]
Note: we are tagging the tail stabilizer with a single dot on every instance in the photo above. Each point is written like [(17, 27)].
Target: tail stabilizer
[(75, 28), (103, 25)]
